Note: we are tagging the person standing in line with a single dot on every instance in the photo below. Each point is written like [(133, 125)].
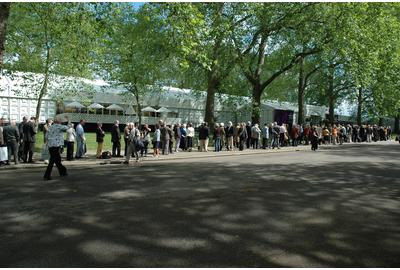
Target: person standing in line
[(183, 143), (21, 148), (265, 136), (45, 150), (190, 136), (99, 139), (133, 146), (275, 135), (165, 137), (157, 141), (295, 135), (314, 139), (177, 136), (248, 132), (255, 136), (126, 137), (80, 139), (223, 136), (30, 131), (217, 138), (242, 133), (55, 140), (203, 137), (116, 139), (11, 138), (70, 141), (282, 131), (146, 139), (3, 147), (229, 133)]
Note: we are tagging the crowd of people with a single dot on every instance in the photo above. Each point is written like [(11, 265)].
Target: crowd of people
[(19, 140)]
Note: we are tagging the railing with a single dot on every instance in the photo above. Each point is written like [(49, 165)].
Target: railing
[(109, 119)]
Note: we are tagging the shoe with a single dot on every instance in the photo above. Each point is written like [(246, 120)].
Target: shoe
[(126, 162), (47, 178), (64, 174)]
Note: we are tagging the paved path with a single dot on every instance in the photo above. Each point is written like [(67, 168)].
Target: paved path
[(339, 207)]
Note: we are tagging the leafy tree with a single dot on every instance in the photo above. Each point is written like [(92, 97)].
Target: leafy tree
[(51, 38), (4, 13)]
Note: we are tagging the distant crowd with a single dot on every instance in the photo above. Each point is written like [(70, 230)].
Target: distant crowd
[(18, 140)]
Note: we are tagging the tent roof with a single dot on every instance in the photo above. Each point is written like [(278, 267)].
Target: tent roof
[(96, 106), (75, 105), (163, 110), (149, 109), (115, 107)]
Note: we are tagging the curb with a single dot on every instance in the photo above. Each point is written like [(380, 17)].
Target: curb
[(162, 159)]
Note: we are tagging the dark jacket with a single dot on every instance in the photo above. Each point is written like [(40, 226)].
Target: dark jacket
[(165, 133), (10, 133), (99, 135), (115, 134), (229, 131), (204, 133), (29, 130)]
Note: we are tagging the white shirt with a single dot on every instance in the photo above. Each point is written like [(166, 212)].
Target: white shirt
[(190, 132), (157, 134), (71, 134)]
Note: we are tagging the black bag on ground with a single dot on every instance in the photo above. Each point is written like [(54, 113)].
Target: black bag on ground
[(106, 155)]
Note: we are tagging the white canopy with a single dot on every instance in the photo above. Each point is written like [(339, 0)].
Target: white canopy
[(115, 107), (149, 109), (75, 105), (163, 110), (130, 110), (96, 106)]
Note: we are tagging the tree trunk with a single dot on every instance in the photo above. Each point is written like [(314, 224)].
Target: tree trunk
[(359, 106), (212, 86), (331, 97), (397, 124), (138, 105), (42, 93), (4, 13), (380, 123), (301, 88), (256, 104)]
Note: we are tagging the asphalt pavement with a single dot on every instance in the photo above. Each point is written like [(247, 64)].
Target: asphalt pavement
[(337, 207)]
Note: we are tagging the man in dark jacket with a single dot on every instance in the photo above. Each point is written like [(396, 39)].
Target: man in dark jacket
[(11, 137), (29, 138), (204, 134), (21, 138), (248, 131), (116, 139), (99, 139)]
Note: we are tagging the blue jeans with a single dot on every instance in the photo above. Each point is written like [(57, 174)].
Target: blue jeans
[(217, 144), (80, 151)]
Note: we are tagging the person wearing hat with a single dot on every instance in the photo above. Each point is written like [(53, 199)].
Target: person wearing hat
[(55, 140)]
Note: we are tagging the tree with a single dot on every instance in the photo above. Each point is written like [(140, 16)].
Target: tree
[(271, 29), (131, 53), (51, 38), (4, 13)]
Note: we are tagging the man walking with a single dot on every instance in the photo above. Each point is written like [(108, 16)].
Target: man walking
[(116, 139), (55, 140), (265, 134), (165, 137), (204, 133)]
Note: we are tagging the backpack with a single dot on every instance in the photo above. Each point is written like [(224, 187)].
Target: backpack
[(106, 155)]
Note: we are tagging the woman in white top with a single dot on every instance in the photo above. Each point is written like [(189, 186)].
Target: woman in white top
[(157, 141), (190, 135), (70, 139)]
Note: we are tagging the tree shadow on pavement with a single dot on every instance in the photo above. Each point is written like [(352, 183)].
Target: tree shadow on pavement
[(205, 215)]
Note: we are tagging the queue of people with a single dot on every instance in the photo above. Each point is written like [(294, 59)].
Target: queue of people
[(166, 139)]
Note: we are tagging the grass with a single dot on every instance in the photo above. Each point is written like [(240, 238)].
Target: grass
[(90, 142)]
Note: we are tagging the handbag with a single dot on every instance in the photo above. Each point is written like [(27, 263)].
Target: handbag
[(3, 153)]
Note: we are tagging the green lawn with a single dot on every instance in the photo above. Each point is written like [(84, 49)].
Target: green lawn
[(90, 142)]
